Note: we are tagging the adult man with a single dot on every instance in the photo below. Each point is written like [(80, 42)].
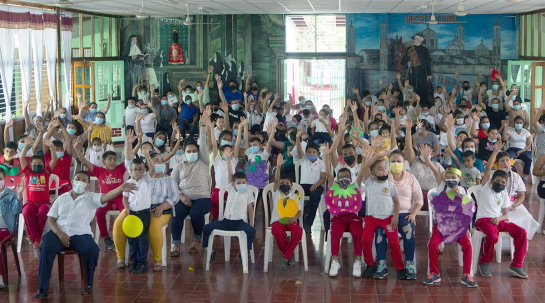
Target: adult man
[(70, 217), (231, 92), (189, 116), (167, 115), (417, 60)]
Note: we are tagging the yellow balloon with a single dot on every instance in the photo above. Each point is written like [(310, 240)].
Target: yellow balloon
[(132, 226)]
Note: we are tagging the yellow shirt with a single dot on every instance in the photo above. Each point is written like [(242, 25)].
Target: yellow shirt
[(101, 131)]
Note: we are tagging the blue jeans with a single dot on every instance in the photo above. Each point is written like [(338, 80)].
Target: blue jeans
[(526, 157), (231, 225), (184, 124), (197, 210), (406, 229), (313, 203), (139, 246)]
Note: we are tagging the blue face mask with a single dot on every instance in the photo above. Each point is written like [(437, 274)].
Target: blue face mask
[(368, 103), (192, 157), (99, 121), (159, 142), (254, 149), (164, 102), (179, 152), (235, 132), (241, 188), (144, 111), (93, 110), (62, 116), (451, 182), (374, 133), (410, 90), (518, 126), (312, 158), (224, 142), (425, 114), (495, 106), (188, 102), (235, 106), (381, 108), (485, 125), (59, 154), (517, 107), (159, 168), (495, 86), (303, 101), (492, 141), (71, 131), (309, 107), (359, 150), (20, 146), (132, 106)]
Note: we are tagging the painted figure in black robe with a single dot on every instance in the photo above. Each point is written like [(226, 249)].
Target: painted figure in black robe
[(417, 60)]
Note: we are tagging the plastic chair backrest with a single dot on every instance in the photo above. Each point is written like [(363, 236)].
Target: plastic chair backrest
[(55, 178), (222, 201), (268, 190), (297, 172)]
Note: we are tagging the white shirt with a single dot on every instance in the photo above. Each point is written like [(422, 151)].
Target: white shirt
[(490, 202), (262, 153), (518, 140), (379, 195), (140, 199), (95, 157), (148, 123), (221, 175), (268, 118), (236, 207), (130, 115), (441, 95), (255, 119), (310, 171), (144, 96), (354, 171), (217, 133), (277, 195), (74, 216), (320, 127), (172, 99), (294, 152), (428, 118)]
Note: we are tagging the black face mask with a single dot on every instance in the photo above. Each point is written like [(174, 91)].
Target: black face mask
[(349, 160), (232, 87), (38, 168), (382, 178), (497, 187), (254, 88), (284, 188), (466, 87), (278, 116)]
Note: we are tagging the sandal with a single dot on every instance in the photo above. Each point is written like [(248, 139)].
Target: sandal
[(120, 263), (157, 266), (175, 251), (194, 249)]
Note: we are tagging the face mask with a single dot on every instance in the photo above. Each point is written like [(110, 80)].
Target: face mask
[(188, 102), (359, 150), (368, 103), (199, 88), (497, 187), (466, 87), (188, 92), (164, 102), (396, 168), (2, 184), (99, 121), (492, 141), (254, 88), (132, 106), (451, 182), (79, 187), (159, 142), (381, 108), (495, 86), (517, 107), (344, 182), (460, 121), (284, 188), (438, 104), (425, 114), (192, 157), (38, 168), (241, 188), (235, 106), (303, 101), (518, 126), (235, 132), (144, 111), (159, 168), (97, 149), (495, 106), (374, 133), (469, 149), (309, 107), (485, 125), (20, 146), (312, 158), (254, 149), (62, 116), (382, 178), (224, 142), (410, 90), (179, 152), (513, 97), (349, 160), (59, 154), (419, 131), (93, 110)]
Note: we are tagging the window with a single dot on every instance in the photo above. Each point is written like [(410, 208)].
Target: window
[(94, 36), (316, 33)]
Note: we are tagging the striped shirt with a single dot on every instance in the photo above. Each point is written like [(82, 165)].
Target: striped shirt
[(151, 191)]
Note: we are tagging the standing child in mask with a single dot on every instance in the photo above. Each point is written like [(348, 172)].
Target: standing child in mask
[(129, 114), (256, 168), (63, 156), (37, 201), (321, 129), (95, 151)]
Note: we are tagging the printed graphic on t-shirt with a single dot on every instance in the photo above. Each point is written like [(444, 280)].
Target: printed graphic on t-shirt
[(37, 183)]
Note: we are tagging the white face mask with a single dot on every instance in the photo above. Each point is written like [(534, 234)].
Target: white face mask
[(79, 187)]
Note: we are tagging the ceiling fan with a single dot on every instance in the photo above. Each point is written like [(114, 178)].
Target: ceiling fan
[(460, 12), (433, 18), (68, 3), (188, 21)]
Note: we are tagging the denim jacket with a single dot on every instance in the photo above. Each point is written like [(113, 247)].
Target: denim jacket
[(10, 207)]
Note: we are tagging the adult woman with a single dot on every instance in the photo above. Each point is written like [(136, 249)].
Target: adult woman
[(145, 121), (516, 111), (520, 144), (410, 203), (480, 132), (193, 179), (425, 135), (538, 125)]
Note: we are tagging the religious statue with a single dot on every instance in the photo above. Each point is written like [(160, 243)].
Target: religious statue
[(175, 53), (417, 60)]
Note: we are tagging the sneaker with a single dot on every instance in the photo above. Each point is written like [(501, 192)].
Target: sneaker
[(356, 268), (519, 272), (291, 262), (369, 271), (283, 264), (133, 266), (432, 278), (484, 270), (410, 271), (109, 243), (140, 269), (468, 281), (308, 230), (41, 294), (334, 268), (401, 275), (381, 272)]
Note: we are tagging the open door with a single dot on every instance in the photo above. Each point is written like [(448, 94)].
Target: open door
[(109, 79)]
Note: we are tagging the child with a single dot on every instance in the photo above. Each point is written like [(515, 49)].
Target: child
[(220, 127), (348, 220), (256, 168), (239, 210), (321, 129), (492, 214), (462, 213), (9, 157), (471, 176), (94, 152), (129, 114), (63, 157), (37, 191), (312, 176), (137, 203), (382, 211), (283, 190)]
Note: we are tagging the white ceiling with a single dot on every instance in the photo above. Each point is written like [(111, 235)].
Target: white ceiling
[(162, 8)]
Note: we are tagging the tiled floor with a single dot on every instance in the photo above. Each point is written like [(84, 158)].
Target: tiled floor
[(225, 281)]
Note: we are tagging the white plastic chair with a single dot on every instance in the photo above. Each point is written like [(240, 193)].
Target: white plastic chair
[(227, 234), (321, 206), (163, 250), (188, 221), (109, 214), (269, 245), (346, 235), (541, 214), (21, 224)]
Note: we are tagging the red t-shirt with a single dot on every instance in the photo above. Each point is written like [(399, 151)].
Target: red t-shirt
[(62, 168), (37, 185), (109, 180)]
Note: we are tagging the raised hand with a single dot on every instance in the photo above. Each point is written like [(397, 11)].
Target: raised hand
[(353, 105), (264, 90), (280, 160), (418, 124), (129, 136), (224, 107), (398, 76), (498, 146), (325, 150), (355, 90), (210, 69), (449, 121), (228, 153), (425, 151), (243, 122), (219, 82)]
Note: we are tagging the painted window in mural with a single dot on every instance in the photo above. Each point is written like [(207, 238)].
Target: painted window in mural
[(315, 33), (94, 36)]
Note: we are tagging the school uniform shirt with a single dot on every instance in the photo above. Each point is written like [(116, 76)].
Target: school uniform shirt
[(318, 126), (221, 175), (269, 116), (74, 216), (95, 157), (428, 118), (140, 199), (518, 140), (148, 123), (514, 184), (37, 185), (276, 196), (255, 119), (310, 171), (294, 152), (109, 180), (469, 176), (380, 204), (262, 153), (490, 202), (130, 115), (62, 168), (236, 207), (144, 96), (354, 171)]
